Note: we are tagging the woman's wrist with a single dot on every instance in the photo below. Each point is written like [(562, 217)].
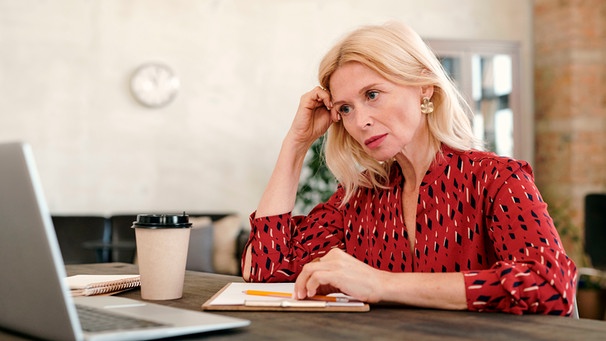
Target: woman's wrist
[(280, 194), (429, 290), (295, 144)]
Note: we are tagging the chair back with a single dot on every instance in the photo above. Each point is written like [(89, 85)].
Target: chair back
[(123, 238), (82, 239), (595, 229)]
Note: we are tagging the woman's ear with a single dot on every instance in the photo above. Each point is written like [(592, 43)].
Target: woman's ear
[(427, 91)]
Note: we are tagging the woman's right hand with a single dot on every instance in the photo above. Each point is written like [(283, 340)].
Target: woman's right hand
[(313, 117)]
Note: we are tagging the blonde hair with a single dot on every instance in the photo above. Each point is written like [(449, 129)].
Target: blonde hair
[(398, 54)]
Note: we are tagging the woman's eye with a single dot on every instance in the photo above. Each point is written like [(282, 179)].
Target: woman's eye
[(372, 94), (344, 109)]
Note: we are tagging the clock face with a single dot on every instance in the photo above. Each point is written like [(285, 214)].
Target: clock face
[(154, 85)]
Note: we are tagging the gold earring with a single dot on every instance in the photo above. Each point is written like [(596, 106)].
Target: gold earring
[(426, 106)]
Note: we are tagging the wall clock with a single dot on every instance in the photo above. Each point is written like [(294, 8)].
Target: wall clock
[(154, 85)]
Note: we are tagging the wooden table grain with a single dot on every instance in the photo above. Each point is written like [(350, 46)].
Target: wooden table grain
[(382, 322)]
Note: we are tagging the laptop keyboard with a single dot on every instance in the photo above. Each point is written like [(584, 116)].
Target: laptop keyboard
[(98, 320)]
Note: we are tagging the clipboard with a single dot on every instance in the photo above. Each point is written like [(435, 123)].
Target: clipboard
[(232, 298)]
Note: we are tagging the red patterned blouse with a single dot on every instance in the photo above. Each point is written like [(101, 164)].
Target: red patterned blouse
[(478, 213)]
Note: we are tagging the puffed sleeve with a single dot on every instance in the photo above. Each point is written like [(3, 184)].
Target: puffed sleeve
[(282, 244), (533, 274)]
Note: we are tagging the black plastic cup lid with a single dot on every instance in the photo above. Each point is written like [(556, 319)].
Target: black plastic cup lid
[(162, 221)]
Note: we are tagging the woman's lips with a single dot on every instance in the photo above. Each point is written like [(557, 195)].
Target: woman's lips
[(375, 141)]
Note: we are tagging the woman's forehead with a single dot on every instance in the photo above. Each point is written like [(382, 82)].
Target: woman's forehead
[(353, 75)]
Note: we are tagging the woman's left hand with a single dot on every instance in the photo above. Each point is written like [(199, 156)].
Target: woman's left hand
[(338, 271)]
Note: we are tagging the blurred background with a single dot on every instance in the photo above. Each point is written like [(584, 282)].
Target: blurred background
[(534, 71), (65, 68)]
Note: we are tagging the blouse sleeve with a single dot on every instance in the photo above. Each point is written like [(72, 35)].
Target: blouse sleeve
[(282, 244), (532, 273)]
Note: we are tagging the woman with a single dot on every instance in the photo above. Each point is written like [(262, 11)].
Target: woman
[(420, 217)]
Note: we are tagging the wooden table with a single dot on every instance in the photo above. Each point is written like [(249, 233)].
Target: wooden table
[(381, 323)]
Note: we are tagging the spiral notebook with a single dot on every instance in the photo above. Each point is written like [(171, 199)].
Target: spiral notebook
[(89, 285)]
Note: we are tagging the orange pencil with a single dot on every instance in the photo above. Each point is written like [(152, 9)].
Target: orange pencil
[(289, 295)]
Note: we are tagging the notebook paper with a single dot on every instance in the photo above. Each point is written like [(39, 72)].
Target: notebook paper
[(234, 294), (88, 285)]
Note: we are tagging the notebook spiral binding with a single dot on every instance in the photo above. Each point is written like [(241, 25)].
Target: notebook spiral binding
[(109, 287)]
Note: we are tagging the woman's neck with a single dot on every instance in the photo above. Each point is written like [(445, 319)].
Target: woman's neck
[(414, 162)]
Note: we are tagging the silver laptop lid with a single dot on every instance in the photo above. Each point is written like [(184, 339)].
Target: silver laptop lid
[(32, 290)]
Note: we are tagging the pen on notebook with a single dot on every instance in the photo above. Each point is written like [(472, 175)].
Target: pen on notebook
[(289, 295)]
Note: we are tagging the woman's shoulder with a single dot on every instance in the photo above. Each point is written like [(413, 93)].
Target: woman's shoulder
[(484, 160)]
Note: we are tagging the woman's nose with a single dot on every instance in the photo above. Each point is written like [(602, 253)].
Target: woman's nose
[(364, 119)]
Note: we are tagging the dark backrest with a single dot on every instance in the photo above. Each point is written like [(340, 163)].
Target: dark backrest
[(595, 229), (123, 238), (82, 239)]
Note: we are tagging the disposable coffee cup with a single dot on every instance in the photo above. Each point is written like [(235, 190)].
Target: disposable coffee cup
[(162, 243)]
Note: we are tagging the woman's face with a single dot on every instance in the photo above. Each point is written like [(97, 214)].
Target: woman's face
[(383, 117)]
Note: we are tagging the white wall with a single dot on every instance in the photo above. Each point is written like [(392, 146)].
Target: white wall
[(243, 64)]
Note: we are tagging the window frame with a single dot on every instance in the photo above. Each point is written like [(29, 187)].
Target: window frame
[(466, 50)]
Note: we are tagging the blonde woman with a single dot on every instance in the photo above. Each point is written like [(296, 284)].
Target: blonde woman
[(421, 216)]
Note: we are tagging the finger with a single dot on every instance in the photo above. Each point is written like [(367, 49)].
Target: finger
[(334, 115), (319, 279), (324, 95), (300, 291), (314, 101), (311, 284)]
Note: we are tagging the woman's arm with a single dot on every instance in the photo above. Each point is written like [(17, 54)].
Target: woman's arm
[(312, 119), (281, 191), (531, 273), (280, 245), (339, 270)]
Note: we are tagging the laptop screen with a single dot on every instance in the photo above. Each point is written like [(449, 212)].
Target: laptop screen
[(32, 282)]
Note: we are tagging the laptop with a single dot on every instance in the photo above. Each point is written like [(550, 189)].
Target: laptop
[(34, 297)]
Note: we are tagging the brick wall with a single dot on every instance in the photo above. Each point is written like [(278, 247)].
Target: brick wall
[(570, 109)]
